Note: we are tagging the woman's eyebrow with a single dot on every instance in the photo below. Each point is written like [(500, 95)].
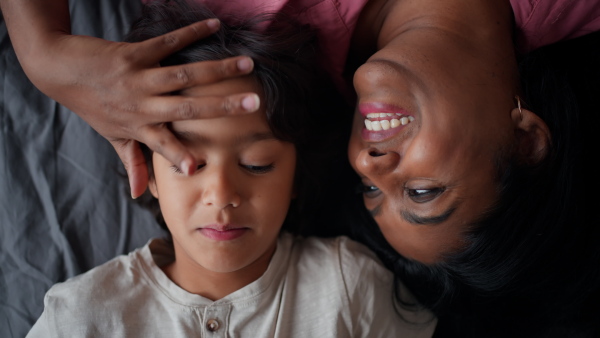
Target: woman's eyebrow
[(427, 220), (375, 211), (417, 219)]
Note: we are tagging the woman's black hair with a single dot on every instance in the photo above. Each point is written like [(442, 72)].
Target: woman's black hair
[(532, 266), (302, 106)]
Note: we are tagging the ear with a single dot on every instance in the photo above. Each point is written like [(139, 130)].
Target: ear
[(533, 136)]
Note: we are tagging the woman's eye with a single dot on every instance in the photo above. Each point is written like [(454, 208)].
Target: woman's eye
[(369, 190), (424, 195), (258, 169)]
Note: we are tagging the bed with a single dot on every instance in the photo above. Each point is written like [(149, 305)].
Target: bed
[(64, 206)]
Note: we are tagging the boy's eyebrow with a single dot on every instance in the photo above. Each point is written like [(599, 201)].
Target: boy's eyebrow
[(185, 135), (244, 139), (255, 137)]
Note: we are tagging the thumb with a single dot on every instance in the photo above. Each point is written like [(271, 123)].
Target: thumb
[(135, 163)]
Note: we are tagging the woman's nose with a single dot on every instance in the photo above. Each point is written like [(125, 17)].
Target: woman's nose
[(373, 162), (220, 190)]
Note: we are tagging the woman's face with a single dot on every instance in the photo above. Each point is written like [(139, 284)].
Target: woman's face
[(434, 171)]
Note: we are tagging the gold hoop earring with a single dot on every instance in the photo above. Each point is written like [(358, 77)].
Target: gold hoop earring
[(519, 106)]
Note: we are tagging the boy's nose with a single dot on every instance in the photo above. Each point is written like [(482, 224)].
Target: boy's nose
[(220, 191)]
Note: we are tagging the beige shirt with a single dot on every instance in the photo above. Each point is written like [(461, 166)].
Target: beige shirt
[(312, 288)]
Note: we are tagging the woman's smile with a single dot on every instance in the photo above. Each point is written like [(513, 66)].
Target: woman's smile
[(382, 121)]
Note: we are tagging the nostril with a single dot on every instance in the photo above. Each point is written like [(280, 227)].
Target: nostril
[(375, 153)]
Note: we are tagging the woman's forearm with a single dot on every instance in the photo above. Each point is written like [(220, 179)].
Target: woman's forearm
[(34, 26)]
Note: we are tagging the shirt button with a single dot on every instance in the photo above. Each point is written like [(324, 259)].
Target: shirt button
[(212, 325)]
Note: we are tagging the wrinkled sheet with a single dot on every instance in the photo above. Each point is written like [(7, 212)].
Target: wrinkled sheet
[(63, 207)]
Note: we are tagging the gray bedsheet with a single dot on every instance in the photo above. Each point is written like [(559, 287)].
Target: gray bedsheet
[(63, 207)]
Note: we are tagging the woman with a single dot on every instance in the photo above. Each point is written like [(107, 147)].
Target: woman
[(481, 185), (528, 264), (451, 73)]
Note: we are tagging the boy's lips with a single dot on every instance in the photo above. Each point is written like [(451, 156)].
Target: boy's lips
[(222, 232), (382, 120)]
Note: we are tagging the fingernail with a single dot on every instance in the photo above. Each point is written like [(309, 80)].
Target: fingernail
[(213, 24), (251, 103), (245, 64), (186, 167), (132, 195)]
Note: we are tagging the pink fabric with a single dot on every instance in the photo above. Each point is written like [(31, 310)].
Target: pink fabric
[(543, 22), (334, 21), (538, 22)]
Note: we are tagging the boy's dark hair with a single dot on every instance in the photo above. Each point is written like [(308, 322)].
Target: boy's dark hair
[(302, 107), (532, 266)]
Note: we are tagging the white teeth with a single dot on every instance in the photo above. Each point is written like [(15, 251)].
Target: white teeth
[(385, 124), (375, 115)]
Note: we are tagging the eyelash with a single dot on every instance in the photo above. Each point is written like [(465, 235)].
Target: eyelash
[(369, 191), (416, 195), (254, 169), (178, 171), (428, 194)]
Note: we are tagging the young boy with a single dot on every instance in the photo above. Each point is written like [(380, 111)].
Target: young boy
[(228, 271)]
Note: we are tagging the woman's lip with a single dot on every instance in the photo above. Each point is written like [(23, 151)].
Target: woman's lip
[(378, 107), (223, 232), (378, 136)]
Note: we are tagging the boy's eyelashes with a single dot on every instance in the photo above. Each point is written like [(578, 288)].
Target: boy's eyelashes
[(254, 169), (258, 169), (178, 171)]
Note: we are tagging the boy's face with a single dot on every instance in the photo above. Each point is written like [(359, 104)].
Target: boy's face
[(227, 215)]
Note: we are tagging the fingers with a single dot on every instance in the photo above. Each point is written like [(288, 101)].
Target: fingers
[(135, 163), (163, 80), (177, 107), (153, 50), (161, 140)]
